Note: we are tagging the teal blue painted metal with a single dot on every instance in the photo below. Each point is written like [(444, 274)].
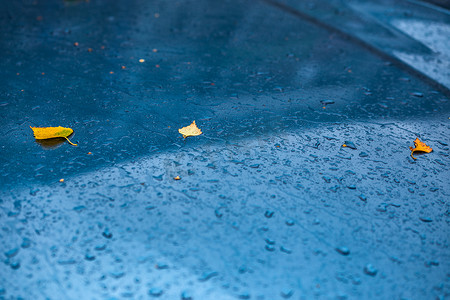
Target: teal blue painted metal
[(269, 204)]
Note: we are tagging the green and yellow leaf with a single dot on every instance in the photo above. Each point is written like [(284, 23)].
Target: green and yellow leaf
[(43, 133)]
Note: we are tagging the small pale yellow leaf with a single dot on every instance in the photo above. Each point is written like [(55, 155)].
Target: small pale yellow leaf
[(191, 130), (43, 133)]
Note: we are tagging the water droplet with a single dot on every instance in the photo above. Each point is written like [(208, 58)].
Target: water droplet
[(287, 293), (342, 297), (417, 94), (159, 177), (326, 102), (334, 188), (290, 222), (68, 261), (207, 276), (432, 263), (370, 270), (285, 250), (155, 292), (269, 241), (270, 248), (244, 295), (350, 145), (363, 154), (381, 208), (33, 192), (161, 266), (363, 197), (11, 253), (100, 247), (218, 213), (89, 257), (117, 274), (242, 269), (356, 281), (15, 265), (343, 250), (186, 296), (79, 208), (268, 214), (107, 234), (426, 219), (351, 187), (127, 295), (17, 205)]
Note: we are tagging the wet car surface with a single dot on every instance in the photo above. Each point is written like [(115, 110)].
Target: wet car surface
[(270, 204)]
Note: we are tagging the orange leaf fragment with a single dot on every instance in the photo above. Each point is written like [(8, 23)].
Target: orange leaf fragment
[(191, 130), (177, 178), (420, 146), (43, 133)]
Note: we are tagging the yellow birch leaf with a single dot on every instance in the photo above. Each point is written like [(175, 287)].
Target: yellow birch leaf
[(191, 130), (43, 133), (420, 146)]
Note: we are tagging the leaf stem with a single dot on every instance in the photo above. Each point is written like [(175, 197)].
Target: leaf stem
[(70, 142)]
